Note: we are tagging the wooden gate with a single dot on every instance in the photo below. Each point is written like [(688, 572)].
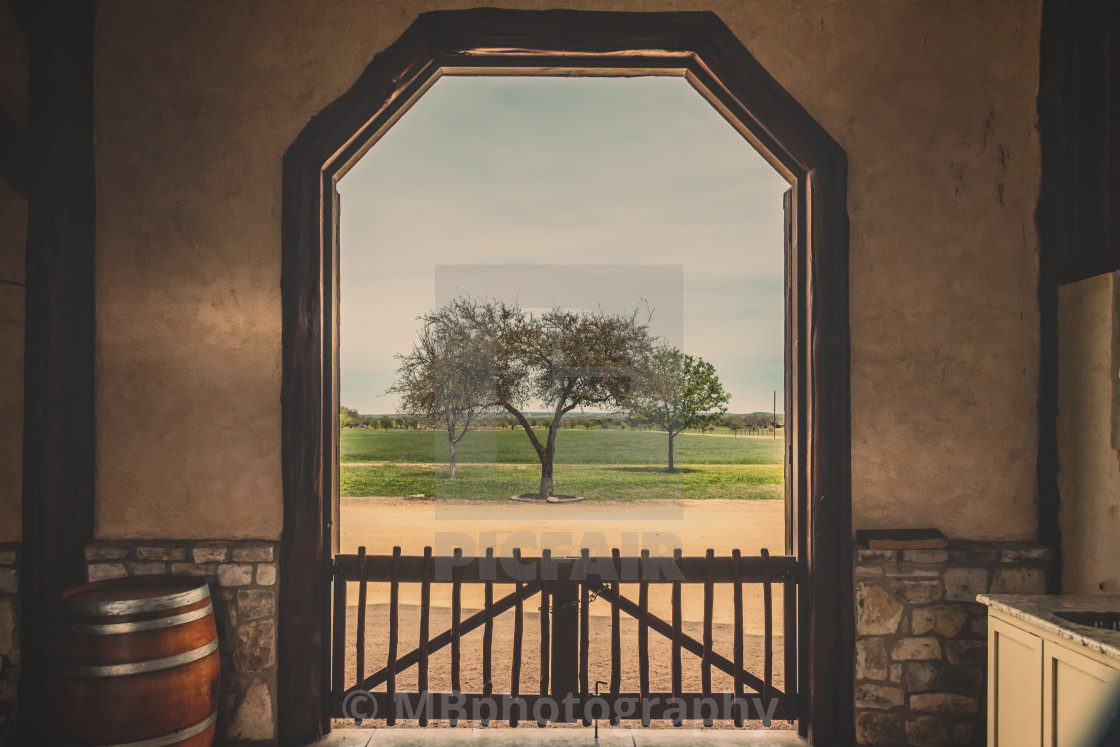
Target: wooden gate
[(565, 587)]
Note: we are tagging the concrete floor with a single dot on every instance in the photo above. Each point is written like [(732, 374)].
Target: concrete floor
[(557, 737)]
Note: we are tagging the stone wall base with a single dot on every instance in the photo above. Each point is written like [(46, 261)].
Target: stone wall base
[(921, 637), (9, 624), (244, 587)]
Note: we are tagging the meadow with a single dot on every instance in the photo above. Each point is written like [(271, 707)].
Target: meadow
[(573, 446), (597, 464), (614, 482)]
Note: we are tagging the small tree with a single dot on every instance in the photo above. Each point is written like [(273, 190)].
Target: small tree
[(444, 384), (677, 392)]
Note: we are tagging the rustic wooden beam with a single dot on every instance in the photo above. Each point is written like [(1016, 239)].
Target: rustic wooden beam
[(518, 632), (425, 614), (58, 435), (473, 570), (27, 15), (14, 162), (338, 618), (360, 638), (1053, 221), (789, 634), (488, 637), (564, 657), (700, 47), (737, 602), (394, 627), (643, 634), (456, 625), (616, 637)]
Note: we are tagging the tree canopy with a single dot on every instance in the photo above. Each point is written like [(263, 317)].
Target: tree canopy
[(565, 359)]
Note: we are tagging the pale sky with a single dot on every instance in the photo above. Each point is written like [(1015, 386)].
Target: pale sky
[(576, 192)]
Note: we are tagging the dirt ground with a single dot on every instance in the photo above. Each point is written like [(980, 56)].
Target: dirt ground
[(381, 523), (695, 526)]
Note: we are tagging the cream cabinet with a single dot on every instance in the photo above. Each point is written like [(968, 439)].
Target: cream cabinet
[(1044, 689), (1076, 690), (1014, 685)]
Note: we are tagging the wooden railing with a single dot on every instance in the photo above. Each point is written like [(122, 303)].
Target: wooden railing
[(566, 586)]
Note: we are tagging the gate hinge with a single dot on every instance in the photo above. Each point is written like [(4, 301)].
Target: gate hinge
[(335, 569), (794, 573)]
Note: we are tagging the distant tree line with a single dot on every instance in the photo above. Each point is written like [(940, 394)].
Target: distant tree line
[(754, 422), (348, 417)]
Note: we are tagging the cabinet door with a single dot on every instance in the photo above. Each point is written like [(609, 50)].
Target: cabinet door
[(1014, 686), (1076, 692)]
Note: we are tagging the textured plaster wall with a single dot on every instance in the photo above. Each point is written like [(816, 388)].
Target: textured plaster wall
[(13, 243), (1088, 451), (934, 103)]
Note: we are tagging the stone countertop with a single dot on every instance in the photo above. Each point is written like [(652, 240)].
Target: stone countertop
[(1040, 610)]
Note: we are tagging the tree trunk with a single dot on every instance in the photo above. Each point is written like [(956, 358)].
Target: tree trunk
[(671, 467), (451, 447), (546, 459), (546, 476)]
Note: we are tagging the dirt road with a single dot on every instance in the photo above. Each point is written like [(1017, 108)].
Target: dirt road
[(694, 526), (660, 526)]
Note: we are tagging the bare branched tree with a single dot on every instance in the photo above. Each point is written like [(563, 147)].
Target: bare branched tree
[(566, 359), (445, 382)]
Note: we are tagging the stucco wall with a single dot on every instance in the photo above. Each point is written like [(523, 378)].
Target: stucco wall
[(13, 243), (1088, 451), (934, 103)]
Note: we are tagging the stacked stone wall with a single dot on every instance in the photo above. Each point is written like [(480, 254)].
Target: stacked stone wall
[(921, 637), (244, 587)]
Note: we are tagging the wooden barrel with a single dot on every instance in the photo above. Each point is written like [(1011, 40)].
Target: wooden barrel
[(134, 661)]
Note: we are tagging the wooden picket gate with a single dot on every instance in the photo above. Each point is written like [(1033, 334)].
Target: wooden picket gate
[(565, 587)]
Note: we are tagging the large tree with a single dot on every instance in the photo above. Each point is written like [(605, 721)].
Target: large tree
[(564, 359), (678, 391), (444, 383)]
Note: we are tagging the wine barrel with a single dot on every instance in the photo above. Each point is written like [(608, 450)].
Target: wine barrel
[(134, 661)]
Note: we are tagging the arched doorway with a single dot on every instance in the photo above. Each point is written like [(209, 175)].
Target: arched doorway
[(700, 48)]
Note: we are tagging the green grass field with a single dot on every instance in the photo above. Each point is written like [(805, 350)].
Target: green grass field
[(597, 464), (579, 446), (594, 482)]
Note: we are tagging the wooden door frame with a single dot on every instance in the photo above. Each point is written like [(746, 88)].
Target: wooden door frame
[(700, 48)]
